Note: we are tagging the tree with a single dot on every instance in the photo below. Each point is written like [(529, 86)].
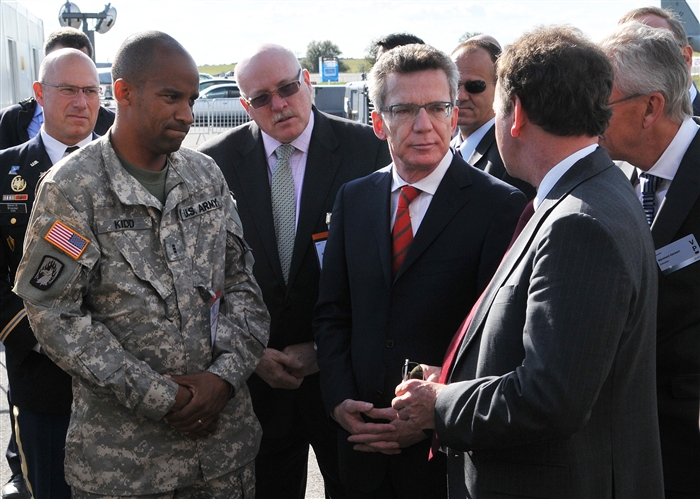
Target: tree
[(315, 50), (467, 35)]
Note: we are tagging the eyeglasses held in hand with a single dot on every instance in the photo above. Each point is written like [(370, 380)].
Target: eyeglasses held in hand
[(474, 86), (72, 91), (411, 370), (284, 91), (401, 113)]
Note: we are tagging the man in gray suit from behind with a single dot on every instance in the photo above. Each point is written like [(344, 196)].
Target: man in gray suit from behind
[(552, 389)]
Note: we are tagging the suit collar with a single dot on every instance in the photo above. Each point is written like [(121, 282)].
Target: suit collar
[(483, 146), (680, 198)]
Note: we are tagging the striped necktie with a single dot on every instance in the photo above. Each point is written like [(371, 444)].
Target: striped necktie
[(402, 234), (649, 183), (284, 207)]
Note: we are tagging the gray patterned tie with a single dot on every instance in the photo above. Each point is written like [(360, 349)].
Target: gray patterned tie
[(284, 206)]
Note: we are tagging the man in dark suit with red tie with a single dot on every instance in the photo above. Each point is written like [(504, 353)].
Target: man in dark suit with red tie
[(410, 249), (551, 391), (652, 130)]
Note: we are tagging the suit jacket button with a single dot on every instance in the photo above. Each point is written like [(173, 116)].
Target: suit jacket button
[(389, 343)]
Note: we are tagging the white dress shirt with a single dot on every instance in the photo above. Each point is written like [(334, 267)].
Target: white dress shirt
[(55, 149), (555, 174)]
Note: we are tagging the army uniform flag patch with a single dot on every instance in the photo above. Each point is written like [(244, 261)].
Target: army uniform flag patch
[(66, 239)]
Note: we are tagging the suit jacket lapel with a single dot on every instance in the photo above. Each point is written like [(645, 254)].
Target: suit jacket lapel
[(37, 152), (251, 171), (582, 170), (321, 167), (380, 210), (452, 194), (483, 146), (680, 198)]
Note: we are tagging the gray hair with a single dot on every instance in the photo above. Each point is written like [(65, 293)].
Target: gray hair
[(647, 60), (407, 59), (674, 24)]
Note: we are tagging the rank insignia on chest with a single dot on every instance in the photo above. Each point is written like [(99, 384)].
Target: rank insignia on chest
[(66, 239), (18, 184)]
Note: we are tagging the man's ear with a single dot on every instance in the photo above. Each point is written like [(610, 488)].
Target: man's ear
[(519, 117), (38, 93), (655, 105), (123, 92), (378, 125)]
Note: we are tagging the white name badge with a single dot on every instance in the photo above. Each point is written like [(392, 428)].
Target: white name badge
[(679, 254)]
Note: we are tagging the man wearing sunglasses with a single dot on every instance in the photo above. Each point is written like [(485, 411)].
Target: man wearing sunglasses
[(410, 249), (282, 209), (476, 140), (40, 392)]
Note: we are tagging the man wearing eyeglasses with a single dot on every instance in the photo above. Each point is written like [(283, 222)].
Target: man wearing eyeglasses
[(652, 130), (21, 122), (476, 140), (549, 387), (410, 249), (285, 168), (40, 392)]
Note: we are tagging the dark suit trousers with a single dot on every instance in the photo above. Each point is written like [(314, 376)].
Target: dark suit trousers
[(42, 440), (400, 479), (281, 464)]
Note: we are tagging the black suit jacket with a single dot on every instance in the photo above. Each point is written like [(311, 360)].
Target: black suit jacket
[(340, 151), (552, 393), (487, 158), (696, 103), (36, 383), (14, 121), (367, 323), (678, 329)]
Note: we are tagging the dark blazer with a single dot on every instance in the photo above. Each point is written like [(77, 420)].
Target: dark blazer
[(696, 103), (340, 151), (553, 390), (14, 121), (678, 329), (367, 323), (36, 383), (487, 158)]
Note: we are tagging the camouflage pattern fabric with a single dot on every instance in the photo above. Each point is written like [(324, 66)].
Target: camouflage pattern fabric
[(117, 289)]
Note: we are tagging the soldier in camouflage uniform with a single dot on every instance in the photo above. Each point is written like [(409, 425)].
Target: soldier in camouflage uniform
[(138, 283)]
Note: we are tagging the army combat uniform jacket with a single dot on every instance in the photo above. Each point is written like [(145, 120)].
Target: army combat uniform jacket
[(120, 291)]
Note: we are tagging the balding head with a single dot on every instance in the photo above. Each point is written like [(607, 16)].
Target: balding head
[(486, 38), (68, 91), (263, 73)]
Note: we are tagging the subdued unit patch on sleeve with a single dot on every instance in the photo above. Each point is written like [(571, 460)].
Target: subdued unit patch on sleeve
[(47, 273), (66, 239)]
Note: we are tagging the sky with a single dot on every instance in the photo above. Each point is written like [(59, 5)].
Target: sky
[(225, 31)]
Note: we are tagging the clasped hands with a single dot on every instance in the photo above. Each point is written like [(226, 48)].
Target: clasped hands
[(199, 400), (287, 368), (410, 413)]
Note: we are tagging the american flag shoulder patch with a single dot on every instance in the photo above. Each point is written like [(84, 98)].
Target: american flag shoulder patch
[(66, 239)]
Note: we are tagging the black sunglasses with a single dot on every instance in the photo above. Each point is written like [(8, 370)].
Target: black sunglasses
[(474, 86), (284, 91)]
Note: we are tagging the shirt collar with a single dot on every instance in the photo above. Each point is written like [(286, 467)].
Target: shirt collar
[(555, 174), (693, 91), (38, 110), (667, 165), (301, 142), (427, 184), (56, 149)]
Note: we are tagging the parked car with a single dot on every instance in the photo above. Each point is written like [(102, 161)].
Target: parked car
[(220, 106), (106, 96), (205, 76), (204, 84)]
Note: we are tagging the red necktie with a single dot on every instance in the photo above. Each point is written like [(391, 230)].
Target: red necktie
[(457, 339), (402, 235)]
